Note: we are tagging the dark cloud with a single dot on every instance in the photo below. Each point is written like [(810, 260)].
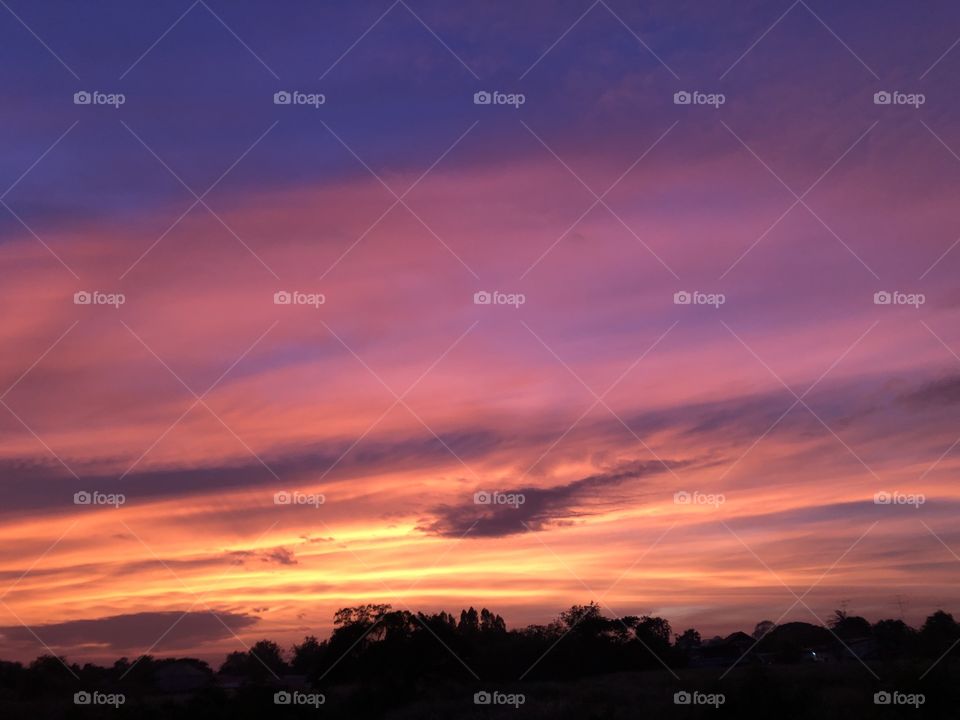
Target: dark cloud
[(862, 511), (279, 556), (542, 506), (874, 411), (135, 632), (42, 483), (942, 392)]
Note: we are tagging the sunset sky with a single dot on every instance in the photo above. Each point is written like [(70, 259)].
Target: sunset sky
[(199, 398)]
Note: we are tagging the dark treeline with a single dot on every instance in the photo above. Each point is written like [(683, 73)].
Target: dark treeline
[(378, 658)]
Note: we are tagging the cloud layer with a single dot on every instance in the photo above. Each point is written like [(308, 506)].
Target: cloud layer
[(779, 414)]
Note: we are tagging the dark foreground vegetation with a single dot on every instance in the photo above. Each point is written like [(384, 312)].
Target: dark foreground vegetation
[(381, 662)]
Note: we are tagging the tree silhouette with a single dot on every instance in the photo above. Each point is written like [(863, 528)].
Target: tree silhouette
[(688, 640), (377, 659), (894, 638), (762, 628), (261, 663), (849, 626), (307, 656), (939, 633)]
